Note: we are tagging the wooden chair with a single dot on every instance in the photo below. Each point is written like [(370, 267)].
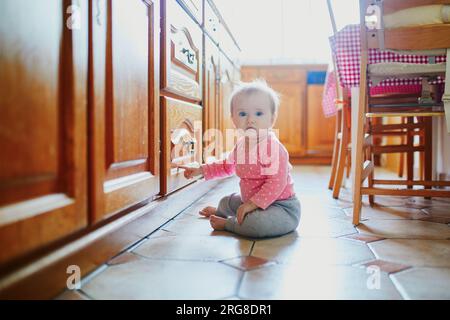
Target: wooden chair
[(341, 159), (405, 38)]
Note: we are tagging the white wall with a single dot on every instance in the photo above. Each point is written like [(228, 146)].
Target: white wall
[(285, 31)]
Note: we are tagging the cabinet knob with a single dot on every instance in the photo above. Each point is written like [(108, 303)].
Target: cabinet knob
[(190, 56)]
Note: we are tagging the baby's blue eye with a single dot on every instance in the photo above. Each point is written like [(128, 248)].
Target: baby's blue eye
[(259, 113), (242, 114)]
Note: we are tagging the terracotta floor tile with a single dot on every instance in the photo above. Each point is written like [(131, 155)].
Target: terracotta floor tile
[(320, 226), (438, 211), (160, 279), (409, 229), (125, 257), (312, 251), (424, 283), (362, 238), (202, 248), (194, 226), (417, 253), (72, 295), (386, 266), (248, 263), (388, 213), (437, 219), (315, 282)]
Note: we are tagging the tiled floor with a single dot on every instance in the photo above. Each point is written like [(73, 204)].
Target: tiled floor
[(400, 251)]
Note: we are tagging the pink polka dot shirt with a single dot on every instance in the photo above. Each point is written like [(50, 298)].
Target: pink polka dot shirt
[(263, 167)]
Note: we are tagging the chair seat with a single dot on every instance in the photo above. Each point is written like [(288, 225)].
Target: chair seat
[(405, 114), (381, 71)]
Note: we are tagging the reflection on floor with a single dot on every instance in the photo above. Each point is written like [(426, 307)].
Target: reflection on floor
[(400, 251)]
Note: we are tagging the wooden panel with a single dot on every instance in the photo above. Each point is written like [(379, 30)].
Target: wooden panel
[(436, 36), (182, 141), (181, 52), (282, 74), (124, 115), (249, 73), (390, 6), (212, 143), (227, 83), (291, 116), (43, 74), (320, 130)]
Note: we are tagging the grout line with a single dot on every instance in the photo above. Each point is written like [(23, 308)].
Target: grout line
[(399, 288), (82, 292), (86, 279)]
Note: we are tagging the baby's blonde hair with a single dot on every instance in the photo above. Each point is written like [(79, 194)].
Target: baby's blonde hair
[(258, 85)]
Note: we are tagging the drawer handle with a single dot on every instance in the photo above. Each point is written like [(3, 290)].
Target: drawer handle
[(190, 56), (190, 146)]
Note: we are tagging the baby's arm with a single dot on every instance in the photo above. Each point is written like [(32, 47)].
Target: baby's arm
[(222, 168), (217, 169)]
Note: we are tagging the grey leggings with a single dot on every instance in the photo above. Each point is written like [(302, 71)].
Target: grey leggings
[(281, 217)]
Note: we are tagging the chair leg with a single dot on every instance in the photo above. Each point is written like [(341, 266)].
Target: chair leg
[(359, 153), (342, 155), (335, 151), (401, 164), (370, 156), (428, 153), (410, 154), (349, 163)]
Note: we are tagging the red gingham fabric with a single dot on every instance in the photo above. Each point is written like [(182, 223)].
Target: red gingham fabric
[(346, 49), (329, 95)]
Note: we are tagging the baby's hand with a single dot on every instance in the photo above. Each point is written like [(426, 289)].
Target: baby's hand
[(244, 209), (190, 172)]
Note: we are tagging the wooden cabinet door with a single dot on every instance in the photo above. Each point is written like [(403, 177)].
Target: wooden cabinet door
[(181, 53), (182, 141), (124, 109), (291, 116), (227, 83), (43, 76), (212, 143), (320, 130)]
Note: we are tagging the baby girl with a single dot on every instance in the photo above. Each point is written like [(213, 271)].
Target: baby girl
[(267, 205)]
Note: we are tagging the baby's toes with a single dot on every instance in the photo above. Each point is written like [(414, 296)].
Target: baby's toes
[(208, 211)]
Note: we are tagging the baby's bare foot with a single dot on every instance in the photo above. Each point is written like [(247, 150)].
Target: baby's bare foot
[(217, 223), (208, 211)]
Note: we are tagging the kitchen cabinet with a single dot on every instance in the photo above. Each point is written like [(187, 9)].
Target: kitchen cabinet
[(124, 106), (43, 135), (100, 101)]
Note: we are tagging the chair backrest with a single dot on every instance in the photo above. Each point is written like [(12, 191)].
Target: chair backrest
[(421, 37)]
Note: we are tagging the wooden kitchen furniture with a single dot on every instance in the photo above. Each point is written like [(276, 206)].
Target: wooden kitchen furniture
[(99, 101)]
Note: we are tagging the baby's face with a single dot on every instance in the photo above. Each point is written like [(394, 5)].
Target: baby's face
[(253, 111)]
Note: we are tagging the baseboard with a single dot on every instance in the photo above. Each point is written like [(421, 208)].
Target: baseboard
[(46, 276)]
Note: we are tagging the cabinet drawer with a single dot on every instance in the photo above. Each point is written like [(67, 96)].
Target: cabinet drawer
[(212, 23), (181, 53), (181, 141), (278, 74), (195, 8)]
